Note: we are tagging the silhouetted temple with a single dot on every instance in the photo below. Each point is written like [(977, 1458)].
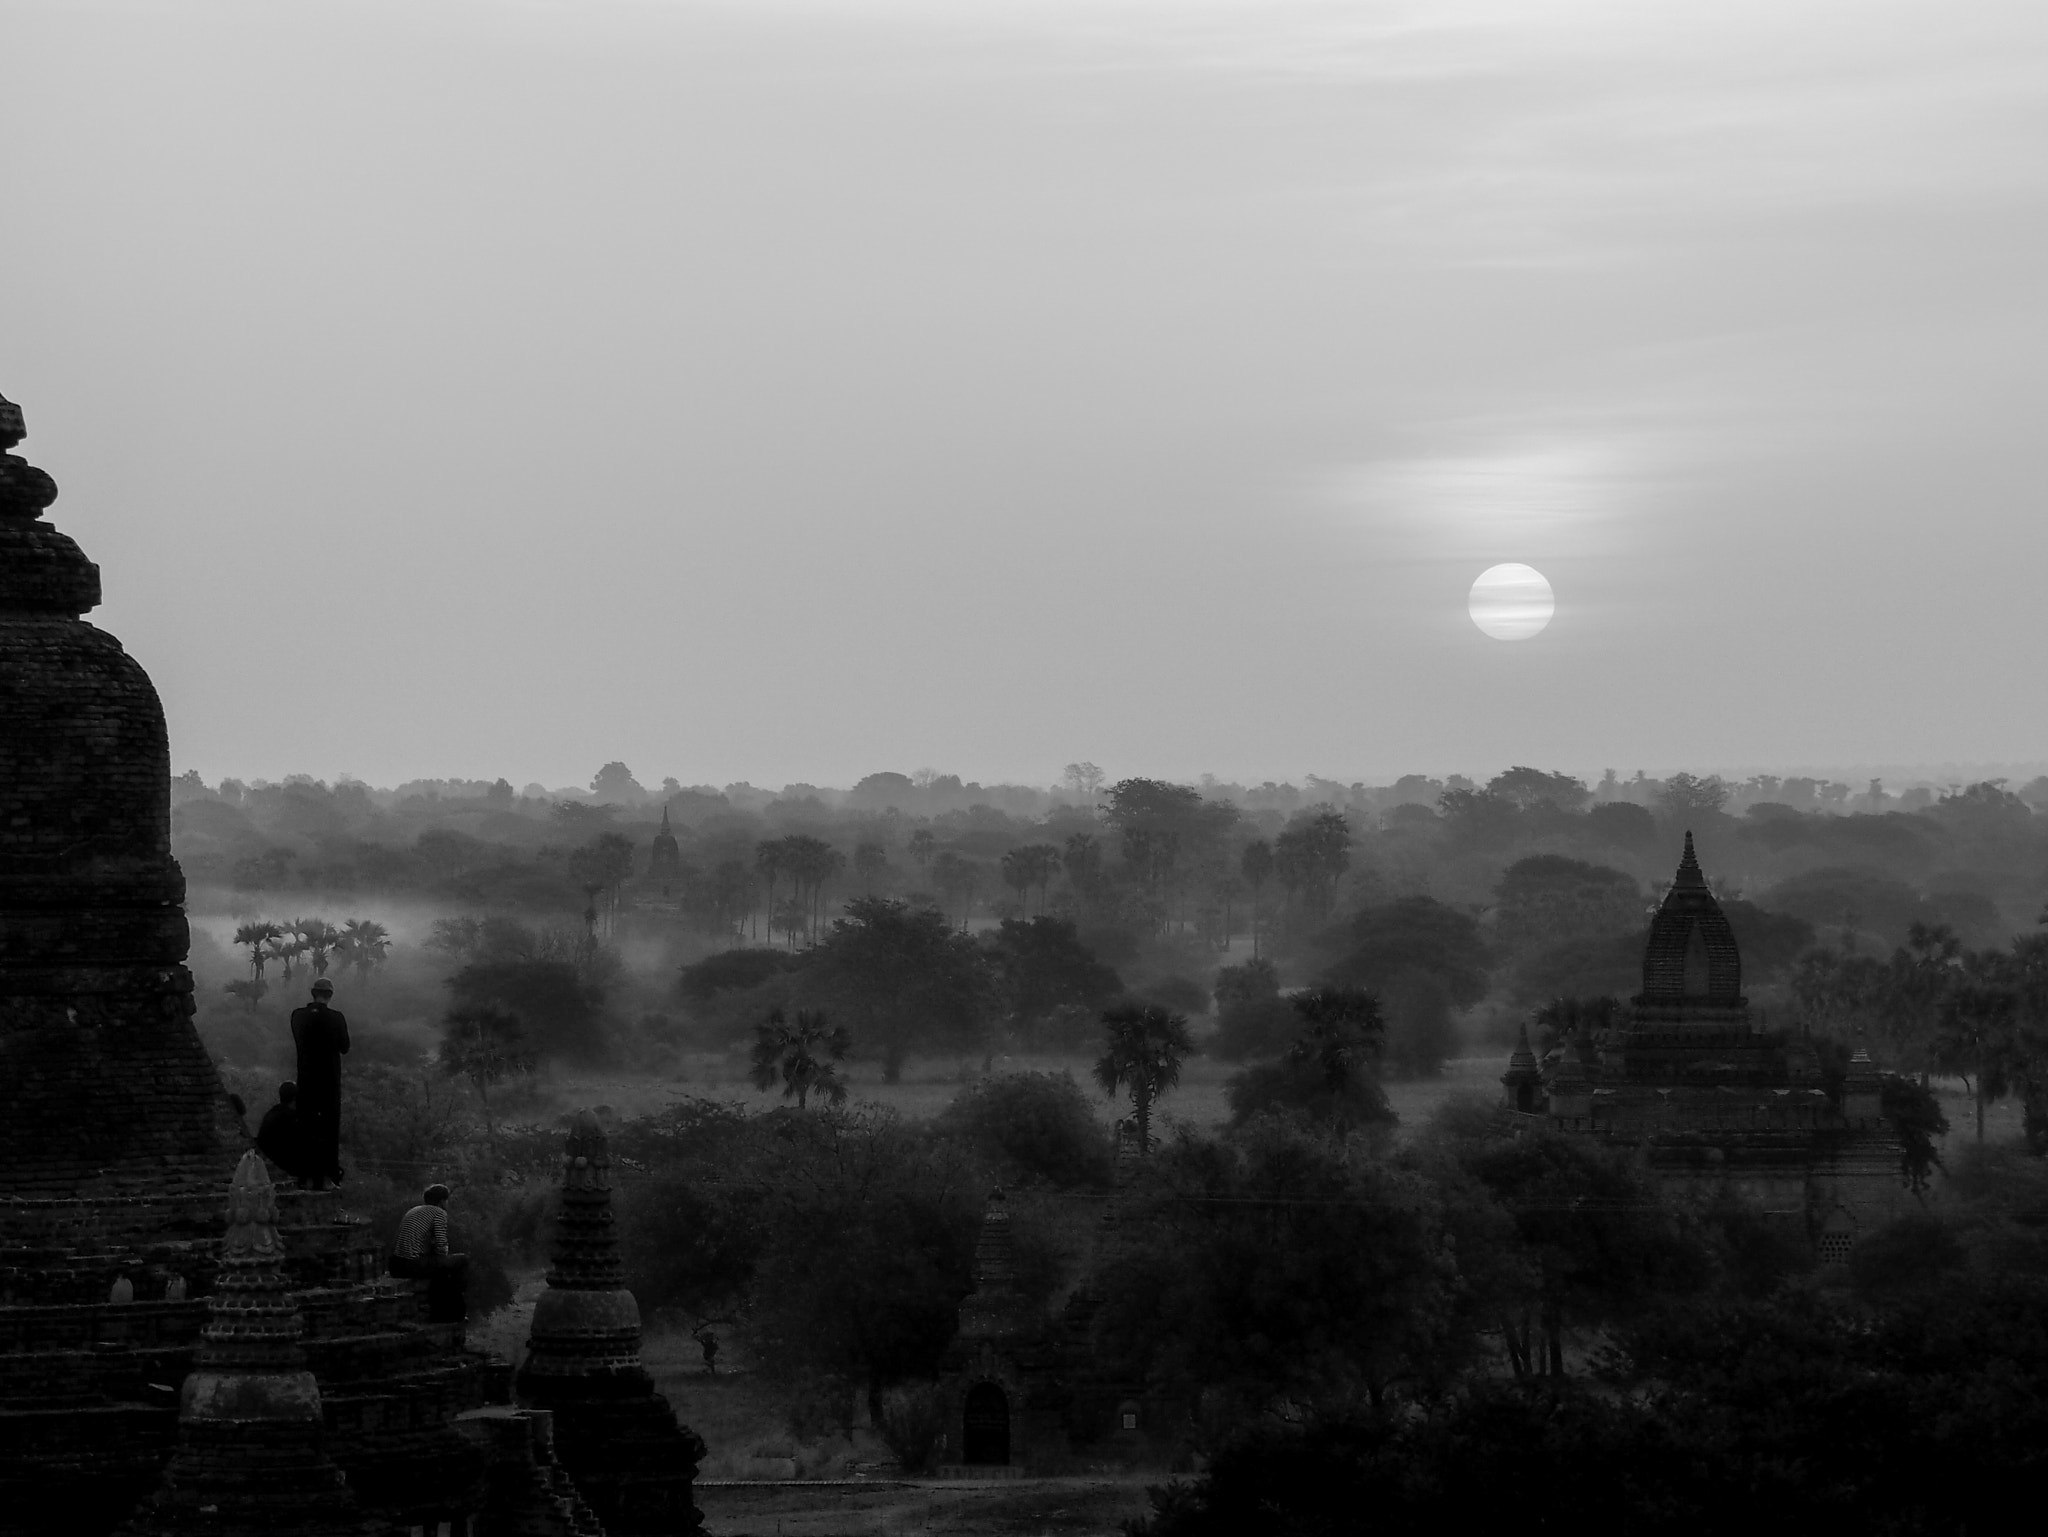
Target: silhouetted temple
[(665, 859), (1715, 1104), (615, 1435), (316, 1395)]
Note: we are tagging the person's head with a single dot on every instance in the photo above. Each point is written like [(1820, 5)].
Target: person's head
[(437, 1195), (287, 1092), (322, 990)]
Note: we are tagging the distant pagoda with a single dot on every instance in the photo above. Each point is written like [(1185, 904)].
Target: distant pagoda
[(665, 858), (1716, 1105), (616, 1435)]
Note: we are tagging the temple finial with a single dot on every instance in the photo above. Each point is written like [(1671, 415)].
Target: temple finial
[(24, 490), (1689, 866)]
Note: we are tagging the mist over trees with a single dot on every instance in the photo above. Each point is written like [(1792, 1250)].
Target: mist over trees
[(1342, 1306), (924, 914)]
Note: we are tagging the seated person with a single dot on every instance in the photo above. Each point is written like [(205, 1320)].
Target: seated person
[(281, 1138), (421, 1252)]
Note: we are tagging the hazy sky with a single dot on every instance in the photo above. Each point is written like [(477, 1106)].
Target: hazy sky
[(785, 391)]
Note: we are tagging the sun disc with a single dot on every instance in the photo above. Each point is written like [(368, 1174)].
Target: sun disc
[(1511, 601)]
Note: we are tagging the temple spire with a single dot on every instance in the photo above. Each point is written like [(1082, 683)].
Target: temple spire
[(616, 1436), (251, 1460), (1689, 873)]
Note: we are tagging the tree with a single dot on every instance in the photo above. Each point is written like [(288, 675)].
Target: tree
[(365, 945), (1330, 1072), (902, 975), (1256, 863), (768, 861), (1417, 932), (801, 1056), (456, 937), (604, 863), (1032, 1127), (259, 936), (1687, 797), (1042, 965), (485, 1045), (1031, 865), (1084, 779), (1278, 1271), (923, 846), (318, 938), (870, 860), (1146, 1047), (1312, 854), (957, 877), (557, 1007), (614, 784), (1527, 788)]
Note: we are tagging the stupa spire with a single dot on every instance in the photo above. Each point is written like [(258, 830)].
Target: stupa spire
[(1689, 872), (251, 1459), (616, 1436)]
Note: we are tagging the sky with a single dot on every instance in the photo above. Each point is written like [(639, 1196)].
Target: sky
[(787, 391)]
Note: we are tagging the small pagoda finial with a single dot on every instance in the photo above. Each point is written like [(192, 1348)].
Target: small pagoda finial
[(1689, 873), (24, 490), (664, 819)]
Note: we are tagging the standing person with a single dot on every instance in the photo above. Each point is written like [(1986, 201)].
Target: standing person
[(321, 1035), (421, 1252)]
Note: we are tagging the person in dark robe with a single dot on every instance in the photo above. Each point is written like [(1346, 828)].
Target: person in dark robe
[(321, 1035), (281, 1138)]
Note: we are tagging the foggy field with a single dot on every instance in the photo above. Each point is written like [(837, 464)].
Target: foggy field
[(929, 1085)]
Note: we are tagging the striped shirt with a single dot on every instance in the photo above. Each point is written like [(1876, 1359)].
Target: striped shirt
[(422, 1233)]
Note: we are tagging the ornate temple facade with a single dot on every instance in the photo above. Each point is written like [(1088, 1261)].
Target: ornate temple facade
[(316, 1395), (1715, 1105)]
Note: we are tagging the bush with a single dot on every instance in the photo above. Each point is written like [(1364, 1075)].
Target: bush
[(1032, 1126), (912, 1416), (1298, 1086)]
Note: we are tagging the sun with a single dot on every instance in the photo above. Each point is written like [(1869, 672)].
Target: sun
[(1511, 602)]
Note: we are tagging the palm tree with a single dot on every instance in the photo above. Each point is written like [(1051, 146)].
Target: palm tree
[(801, 1056), (289, 944), (922, 846), (258, 937), (870, 859), (1257, 864), (1147, 1045), (1017, 872), (486, 1046), (365, 944), (318, 937), (768, 860)]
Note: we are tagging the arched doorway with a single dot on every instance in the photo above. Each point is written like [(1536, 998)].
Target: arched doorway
[(985, 1427)]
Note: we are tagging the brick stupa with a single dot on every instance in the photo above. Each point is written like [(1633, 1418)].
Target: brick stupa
[(116, 1137), (616, 1435)]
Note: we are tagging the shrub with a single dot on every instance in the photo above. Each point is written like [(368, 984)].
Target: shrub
[(1032, 1126)]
